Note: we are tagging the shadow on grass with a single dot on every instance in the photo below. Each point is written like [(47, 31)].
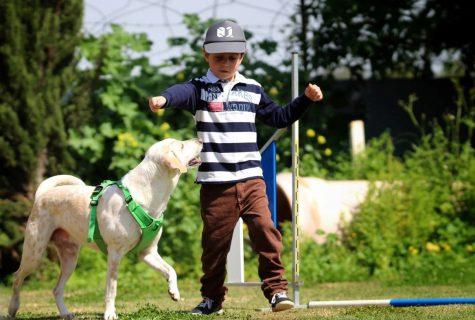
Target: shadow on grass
[(148, 312), (152, 313), (42, 317)]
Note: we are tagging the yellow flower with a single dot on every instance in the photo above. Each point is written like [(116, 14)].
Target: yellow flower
[(327, 152), (277, 157), (127, 139), (273, 91), (413, 251), (164, 126), (432, 247), (124, 136), (311, 133), (160, 112), (470, 248), (446, 246), (321, 140), (180, 76)]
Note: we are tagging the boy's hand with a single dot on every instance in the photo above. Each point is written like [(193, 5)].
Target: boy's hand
[(156, 103), (313, 92)]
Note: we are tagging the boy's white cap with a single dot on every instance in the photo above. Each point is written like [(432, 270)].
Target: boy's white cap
[(225, 36)]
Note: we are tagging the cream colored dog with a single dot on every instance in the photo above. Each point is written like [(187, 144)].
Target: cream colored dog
[(61, 214)]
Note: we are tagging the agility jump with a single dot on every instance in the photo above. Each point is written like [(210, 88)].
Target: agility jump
[(236, 255)]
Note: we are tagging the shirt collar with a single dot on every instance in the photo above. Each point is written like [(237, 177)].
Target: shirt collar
[(214, 79)]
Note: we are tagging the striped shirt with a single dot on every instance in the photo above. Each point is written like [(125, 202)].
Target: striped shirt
[(225, 114)]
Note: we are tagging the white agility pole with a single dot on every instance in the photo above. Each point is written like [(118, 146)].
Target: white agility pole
[(295, 188)]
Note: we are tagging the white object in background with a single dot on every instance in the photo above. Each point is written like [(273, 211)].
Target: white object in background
[(357, 137), (235, 263)]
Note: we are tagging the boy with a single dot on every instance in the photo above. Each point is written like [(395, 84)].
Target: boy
[(225, 104)]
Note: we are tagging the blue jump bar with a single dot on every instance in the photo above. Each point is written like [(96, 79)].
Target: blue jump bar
[(421, 302), (429, 302)]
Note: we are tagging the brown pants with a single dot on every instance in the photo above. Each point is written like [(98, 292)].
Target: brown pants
[(221, 207)]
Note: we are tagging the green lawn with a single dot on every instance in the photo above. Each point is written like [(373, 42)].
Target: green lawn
[(150, 301)]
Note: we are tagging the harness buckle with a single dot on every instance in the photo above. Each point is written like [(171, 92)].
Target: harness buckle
[(94, 202), (97, 190), (128, 199)]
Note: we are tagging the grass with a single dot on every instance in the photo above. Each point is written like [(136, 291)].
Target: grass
[(150, 300)]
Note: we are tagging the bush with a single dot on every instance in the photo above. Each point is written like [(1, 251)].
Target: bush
[(422, 209)]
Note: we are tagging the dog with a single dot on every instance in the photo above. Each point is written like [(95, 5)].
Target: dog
[(61, 212)]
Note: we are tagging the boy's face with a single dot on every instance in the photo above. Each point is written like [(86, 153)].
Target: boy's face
[(224, 65)]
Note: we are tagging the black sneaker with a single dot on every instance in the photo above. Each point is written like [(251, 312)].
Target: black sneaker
[(281, 302), (207, 306)]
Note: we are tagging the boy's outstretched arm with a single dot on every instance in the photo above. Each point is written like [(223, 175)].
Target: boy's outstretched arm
[(280, 117), (180, 96)]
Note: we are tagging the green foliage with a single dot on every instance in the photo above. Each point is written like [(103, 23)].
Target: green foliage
[(422, 210), (377, 162), (119, 131), (381, 39), (37, 44), (13, 214), (327, 262)]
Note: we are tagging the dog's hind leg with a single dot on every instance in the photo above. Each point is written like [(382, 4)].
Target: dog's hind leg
[(153, 259), (113, 260), (68, 252), (37, 235)]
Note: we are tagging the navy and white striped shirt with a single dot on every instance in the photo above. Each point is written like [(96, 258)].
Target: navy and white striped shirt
[(225, 115)]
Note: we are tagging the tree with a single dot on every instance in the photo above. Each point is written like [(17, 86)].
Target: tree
[(382, 39), (37, 44), (37, 61)]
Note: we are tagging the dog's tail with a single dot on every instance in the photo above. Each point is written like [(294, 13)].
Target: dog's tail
[(60, 180)]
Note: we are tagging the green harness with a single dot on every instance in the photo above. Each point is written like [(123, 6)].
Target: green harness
[(149, 225)]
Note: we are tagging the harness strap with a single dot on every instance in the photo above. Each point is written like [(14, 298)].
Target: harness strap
[(149, 225)]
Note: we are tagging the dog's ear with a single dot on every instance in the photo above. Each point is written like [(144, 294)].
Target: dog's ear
[(173, 162)]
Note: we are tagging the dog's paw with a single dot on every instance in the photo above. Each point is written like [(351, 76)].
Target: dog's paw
[(68, 316), (110, 315), (174, 294)]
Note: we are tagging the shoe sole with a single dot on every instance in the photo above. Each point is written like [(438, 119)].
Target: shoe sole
[(284, 305), (202, 314)]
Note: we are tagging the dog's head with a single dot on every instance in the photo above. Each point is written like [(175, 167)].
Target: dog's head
[(176, 155)]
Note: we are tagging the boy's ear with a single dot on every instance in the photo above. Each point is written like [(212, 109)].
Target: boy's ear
[(205, 54)]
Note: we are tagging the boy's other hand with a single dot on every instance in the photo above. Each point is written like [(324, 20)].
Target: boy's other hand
[(313, 92), (156, 103)]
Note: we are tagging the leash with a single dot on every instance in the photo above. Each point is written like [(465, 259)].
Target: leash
[(149, 225)]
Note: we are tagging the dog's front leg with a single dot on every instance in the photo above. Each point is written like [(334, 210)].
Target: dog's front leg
[(113, 260), (154, 260)]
